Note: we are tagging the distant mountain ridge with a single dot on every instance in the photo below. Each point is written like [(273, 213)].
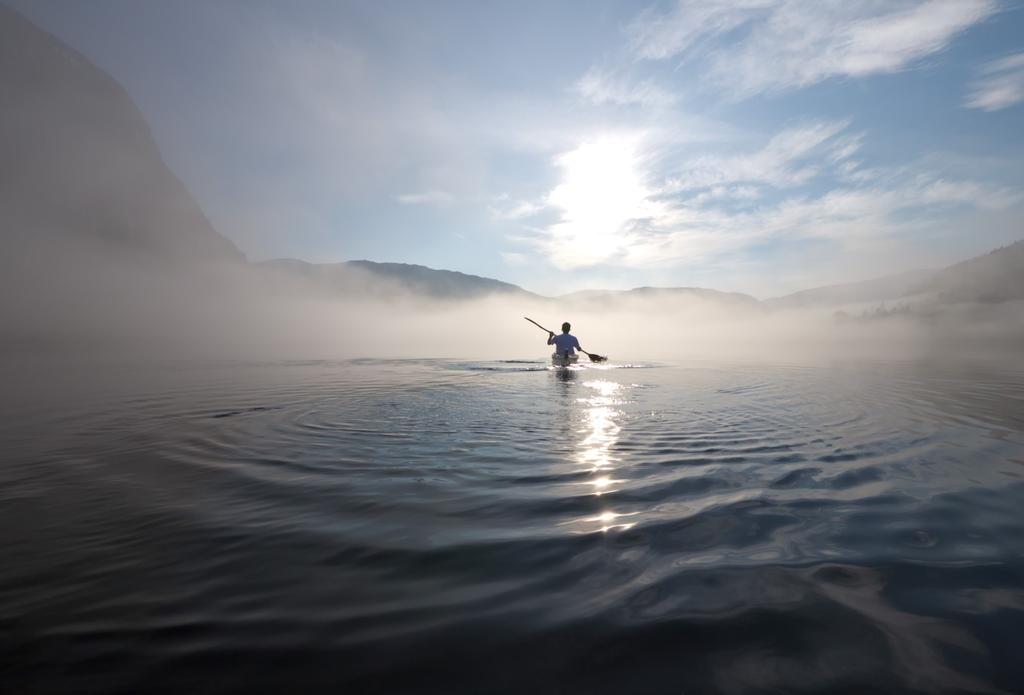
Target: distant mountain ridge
[(878, 289), (388, 279), (997, 276), (384, 279)]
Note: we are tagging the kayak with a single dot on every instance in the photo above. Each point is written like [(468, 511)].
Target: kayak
[(558, 360)]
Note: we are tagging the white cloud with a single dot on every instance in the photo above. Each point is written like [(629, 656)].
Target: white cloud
[(790, 158), (514, 258), (982, 196), (505, 208), (723, 193), (656, 37), (845, 147), (1000, 85), (604, 87), (436, 198), (754, 46), (685, 233), (612, 213)]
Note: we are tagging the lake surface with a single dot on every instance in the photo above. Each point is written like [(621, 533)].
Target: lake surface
[(452, 526)]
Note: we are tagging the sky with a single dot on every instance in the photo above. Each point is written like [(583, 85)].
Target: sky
[(759, 146)]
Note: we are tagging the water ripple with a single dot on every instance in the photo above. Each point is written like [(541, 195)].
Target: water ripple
[(597, 529)]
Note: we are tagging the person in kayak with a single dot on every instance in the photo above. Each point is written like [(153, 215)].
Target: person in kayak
[(566, 345)]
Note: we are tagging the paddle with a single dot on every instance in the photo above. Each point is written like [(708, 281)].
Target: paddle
[(594, 357)]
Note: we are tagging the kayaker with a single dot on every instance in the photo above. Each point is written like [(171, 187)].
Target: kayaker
[(565, 344)]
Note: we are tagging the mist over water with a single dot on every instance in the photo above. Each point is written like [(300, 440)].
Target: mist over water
[(143, 308)]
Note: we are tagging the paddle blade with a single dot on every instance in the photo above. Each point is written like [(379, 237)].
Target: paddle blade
[(597, 358)]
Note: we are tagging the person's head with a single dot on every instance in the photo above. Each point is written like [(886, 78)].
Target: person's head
[(566, 327)]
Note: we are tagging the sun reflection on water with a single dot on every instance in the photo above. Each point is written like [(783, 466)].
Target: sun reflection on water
[(595, 451), (608, 521)]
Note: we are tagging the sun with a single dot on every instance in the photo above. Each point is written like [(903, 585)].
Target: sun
[(600, 192)]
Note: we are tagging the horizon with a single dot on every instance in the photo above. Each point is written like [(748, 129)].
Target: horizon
[(641, 148), (865, 280)]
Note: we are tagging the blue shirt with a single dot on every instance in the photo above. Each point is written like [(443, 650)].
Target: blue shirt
[(565, 342)]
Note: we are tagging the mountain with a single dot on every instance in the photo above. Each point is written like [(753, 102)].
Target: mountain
[(994, 277), (880, 289), (80, 163), (384, 280), (100, 243), (998, 276), (441, 284)]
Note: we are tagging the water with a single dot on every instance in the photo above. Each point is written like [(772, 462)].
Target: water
[(440, 526)]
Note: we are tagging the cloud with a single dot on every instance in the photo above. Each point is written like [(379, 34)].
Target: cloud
[(1000, 85), (514, 258), (614, 211), (687, 233), (754, 46), (604, 87), (785, 161), (505, 208), (722, 193), (659, 36), (437, 198)]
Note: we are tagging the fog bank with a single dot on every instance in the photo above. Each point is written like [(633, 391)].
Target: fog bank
[(116, 305)]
